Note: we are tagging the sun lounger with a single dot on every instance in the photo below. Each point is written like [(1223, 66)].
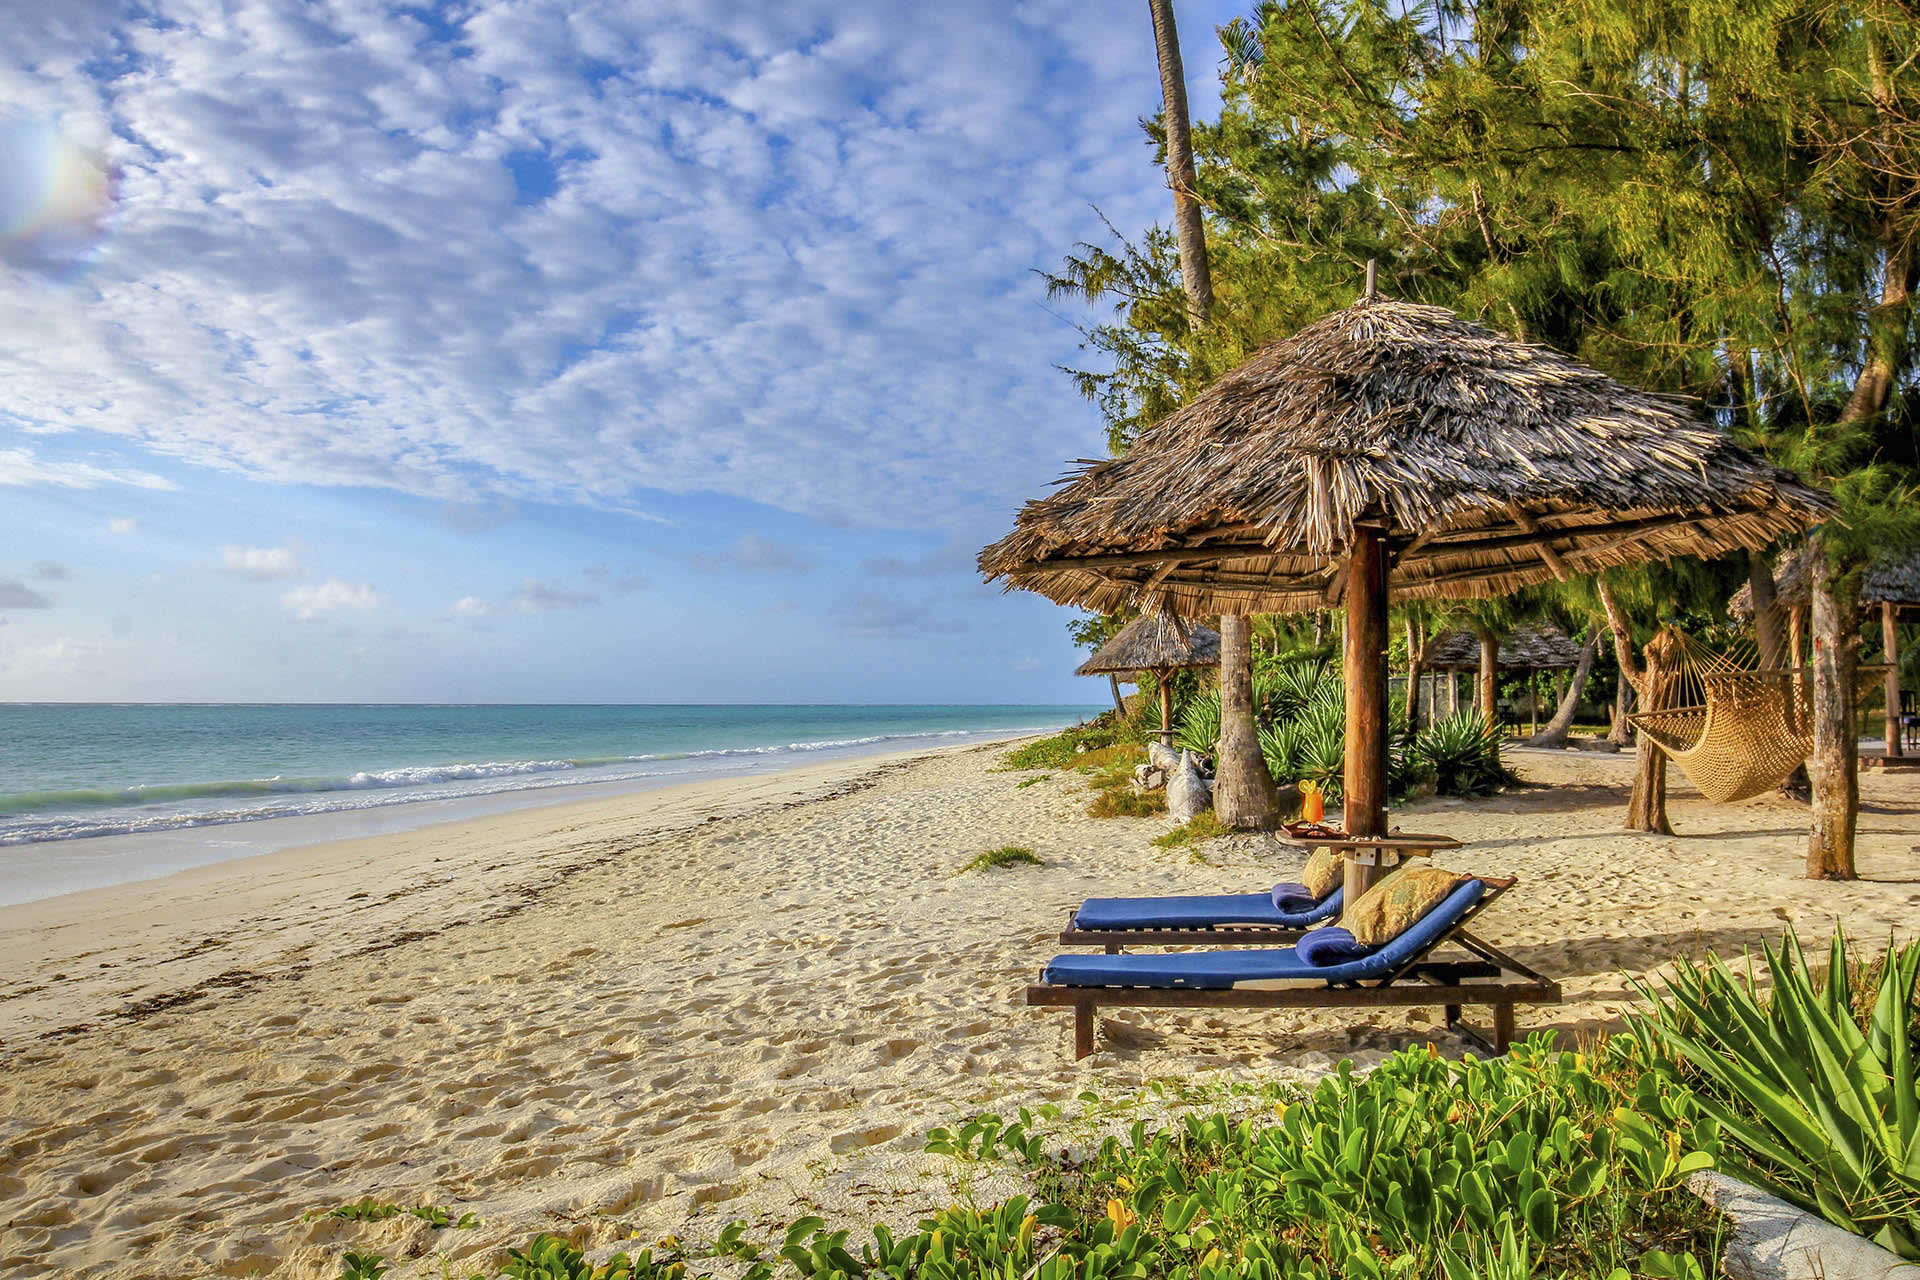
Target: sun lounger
[(1402, 973), (1195, 920)]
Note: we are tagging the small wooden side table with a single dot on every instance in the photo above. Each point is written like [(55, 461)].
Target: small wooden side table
[(1368, 859)]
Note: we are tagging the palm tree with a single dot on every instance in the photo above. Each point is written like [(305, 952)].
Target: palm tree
[(1243, 793)]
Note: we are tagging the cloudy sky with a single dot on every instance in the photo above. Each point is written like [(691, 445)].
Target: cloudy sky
[(547, 349)]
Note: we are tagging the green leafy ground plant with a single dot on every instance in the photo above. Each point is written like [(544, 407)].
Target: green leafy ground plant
[(1006, 856), (1812, 1086)]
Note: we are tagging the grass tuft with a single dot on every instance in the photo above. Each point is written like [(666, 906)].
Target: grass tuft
[(1202, 826), (1011, 855), (1125, 802)]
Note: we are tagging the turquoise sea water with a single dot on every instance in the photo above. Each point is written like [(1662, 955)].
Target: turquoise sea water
[(79, 771)]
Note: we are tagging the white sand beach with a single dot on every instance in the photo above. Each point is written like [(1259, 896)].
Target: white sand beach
[(743, 999)]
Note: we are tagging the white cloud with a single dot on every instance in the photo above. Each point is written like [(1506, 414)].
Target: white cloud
[(316, 600), (20, 468), (875, 614), (262, 564), (15, 594), (778, 252), (123, 525), (540, 597), (50, 570), (471, 607)]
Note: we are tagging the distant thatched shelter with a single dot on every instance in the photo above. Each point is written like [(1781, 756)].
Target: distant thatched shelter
[(1392, 445), (1160, 643), (1890, 586), (1889, 580), (1526, 649)]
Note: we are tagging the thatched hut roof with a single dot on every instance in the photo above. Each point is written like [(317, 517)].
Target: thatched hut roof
[(1154, 642), (1526, 649), (1892, 579), (1489, 463)]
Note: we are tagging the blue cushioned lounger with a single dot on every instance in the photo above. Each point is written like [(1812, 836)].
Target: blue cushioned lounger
[(1405, 973), (1201, 911), (1218, 970)]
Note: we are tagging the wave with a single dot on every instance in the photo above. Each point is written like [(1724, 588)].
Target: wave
[(31, 817)]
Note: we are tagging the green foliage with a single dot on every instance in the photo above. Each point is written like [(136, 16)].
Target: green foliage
[(1202, 826), (1024, 783), (370, 1210), (987, 1137), (1062, 749), (1462, 754), (1198, 725), (1011, 855), (1813, 1087), (551, 1258), (356, 1265)]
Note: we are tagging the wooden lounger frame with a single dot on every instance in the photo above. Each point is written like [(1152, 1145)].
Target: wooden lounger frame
[(1488, 977)]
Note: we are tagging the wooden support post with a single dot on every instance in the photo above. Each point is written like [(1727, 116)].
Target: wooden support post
[(1502, 1027), (1796, 636), (1366, 678), (1890, 646), (1533, 702), (1166, 706), (1083, 1020)]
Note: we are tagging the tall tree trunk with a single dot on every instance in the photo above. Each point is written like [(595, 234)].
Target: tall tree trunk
[(1890, 653), (1243, 791), (1244, 795), (1628, 683), (1195, 274), (1555, 734), (1647, 809), (1415, 668), (1766, 612), (1488, 689), (1834, 766), (1119, 703)]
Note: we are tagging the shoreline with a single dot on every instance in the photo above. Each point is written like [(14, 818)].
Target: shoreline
[(61, 957)]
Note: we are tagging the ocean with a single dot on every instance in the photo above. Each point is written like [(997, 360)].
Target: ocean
[(75, 773)]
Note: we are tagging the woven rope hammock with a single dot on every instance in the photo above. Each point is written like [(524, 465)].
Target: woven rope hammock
[(1738, 731)]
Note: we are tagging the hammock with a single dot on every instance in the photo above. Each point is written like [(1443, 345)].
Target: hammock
[(1739, 731)]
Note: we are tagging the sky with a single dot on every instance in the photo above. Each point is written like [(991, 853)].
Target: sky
[(549, 350)]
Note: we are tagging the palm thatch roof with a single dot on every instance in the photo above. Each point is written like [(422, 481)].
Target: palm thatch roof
[(1526, 649), (1154, 642), (1490, 465), (1893, 578)]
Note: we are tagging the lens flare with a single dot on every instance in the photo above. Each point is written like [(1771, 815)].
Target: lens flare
[(55, 195)]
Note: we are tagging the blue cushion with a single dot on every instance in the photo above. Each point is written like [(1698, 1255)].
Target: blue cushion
[(1323, 948), (1217, 970), (1200, 911), (1292, 897)]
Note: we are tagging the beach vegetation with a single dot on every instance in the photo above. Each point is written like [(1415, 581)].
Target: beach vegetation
[(1202, 826), (1063, 749), (988, 1137), (358, 1265), (1810, 1077), (1461, 753), (1011, 855), (1024, 783), (1120, 757), (369, 1210), (551, 1258), (1127, 802)]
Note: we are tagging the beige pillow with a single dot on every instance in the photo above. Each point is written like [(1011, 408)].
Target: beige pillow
[(1391, 907), (1324, 871)]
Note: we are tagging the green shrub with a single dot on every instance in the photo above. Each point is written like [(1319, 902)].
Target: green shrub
[(1062, 749), (1011, 855), (1462, 754), (551, 1258), (1199, 725), (1815, 1097)]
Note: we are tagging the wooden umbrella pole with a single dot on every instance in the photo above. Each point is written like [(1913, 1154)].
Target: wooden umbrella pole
[(1890, 642), (1366, 680), (1166, 706)]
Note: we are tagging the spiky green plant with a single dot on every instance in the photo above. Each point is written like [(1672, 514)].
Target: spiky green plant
[(1811, 1105), (1463, 753), (1199, 725)]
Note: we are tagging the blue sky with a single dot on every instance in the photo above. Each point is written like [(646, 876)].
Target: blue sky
[(548, 350)]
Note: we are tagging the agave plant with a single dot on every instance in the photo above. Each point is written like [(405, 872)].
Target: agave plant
[(1284, 692), (1463, 753), (1812, 1106), (1198, 730)]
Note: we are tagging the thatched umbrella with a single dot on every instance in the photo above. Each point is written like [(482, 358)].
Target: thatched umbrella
[(1891, 583), (1161, 643), (1528, 649), (1393, 445)]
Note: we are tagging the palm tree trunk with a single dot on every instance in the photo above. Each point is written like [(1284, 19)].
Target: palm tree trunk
[(1195, 274), (1834, 766), (1415, 667), (1647, 809), (1243, 791), (1489, 686), (1555, 734)]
